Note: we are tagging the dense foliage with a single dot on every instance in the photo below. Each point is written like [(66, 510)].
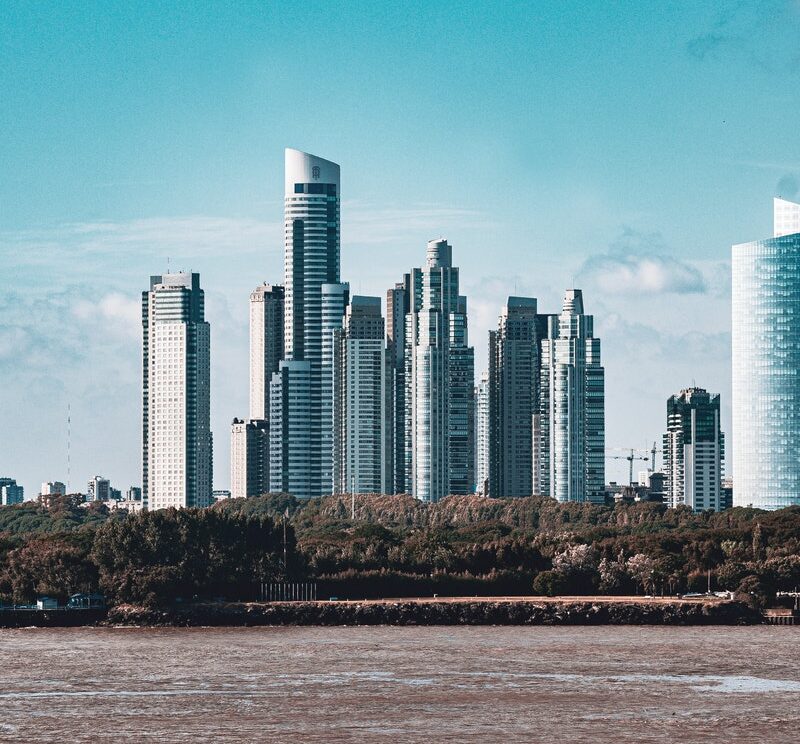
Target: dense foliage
[(396, 546)]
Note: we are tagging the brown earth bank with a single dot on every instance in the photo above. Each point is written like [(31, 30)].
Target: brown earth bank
[(61, 618), (441, 612)]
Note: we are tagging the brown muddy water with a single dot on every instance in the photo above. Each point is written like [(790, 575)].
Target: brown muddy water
[(423, 684)]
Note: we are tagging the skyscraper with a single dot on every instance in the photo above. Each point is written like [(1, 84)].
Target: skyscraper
[(176, 433), (335, 299), (766, 360), (514, 380), (266, 344), (482, 435), (572, 406), (311, 261), (362, 401), (398, 305), (249, 458), (250, 440), (439, 380), (693, 450), (290, 455)]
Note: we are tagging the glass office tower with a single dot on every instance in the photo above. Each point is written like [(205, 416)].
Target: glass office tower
[(766, 366)]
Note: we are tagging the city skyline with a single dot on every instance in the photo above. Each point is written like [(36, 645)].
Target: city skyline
[(640, 210)]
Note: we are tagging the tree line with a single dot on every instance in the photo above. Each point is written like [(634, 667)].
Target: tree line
[(395, 546)]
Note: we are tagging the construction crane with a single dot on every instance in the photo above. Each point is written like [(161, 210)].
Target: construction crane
[(630, 458), (653, 458)]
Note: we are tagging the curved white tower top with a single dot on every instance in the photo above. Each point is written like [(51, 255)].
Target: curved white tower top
[(300, 167)]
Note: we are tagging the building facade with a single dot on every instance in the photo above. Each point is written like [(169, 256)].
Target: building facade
[(439, 380), (266, 344), (362, 401), (766, 359), (514, 381), (398, 305), (249, 458), (99, 489), (311, 261), (176, 392), (572, 407), (694, 448), (10, 492), (482, 444), (53, 488)]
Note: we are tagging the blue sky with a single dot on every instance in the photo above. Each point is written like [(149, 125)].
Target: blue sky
[(622, 147)]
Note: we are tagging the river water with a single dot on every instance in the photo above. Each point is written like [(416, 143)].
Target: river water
[(422, 684)]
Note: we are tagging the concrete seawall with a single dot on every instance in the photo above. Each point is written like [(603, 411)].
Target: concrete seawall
[(461, 611)]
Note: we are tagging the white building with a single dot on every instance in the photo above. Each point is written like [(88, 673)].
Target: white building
[(302, 448), (482, 435), (572, 407), (249, 458), (98, 489), (362, 401), (766, 357), (177, 445), (694, 448), (439, 380)]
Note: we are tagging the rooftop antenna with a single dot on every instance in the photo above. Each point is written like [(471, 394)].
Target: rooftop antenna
[(69, 444)]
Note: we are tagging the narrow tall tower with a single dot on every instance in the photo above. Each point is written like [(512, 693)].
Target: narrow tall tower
[(176, 432), (266, 344), (301, 447), (362, 401), (514, 379), (398, 305), (572, 406), (439, 380), (766, 358)]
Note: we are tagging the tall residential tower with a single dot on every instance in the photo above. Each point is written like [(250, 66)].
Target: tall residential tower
[(439, 380), (176, 432), (694, 447), (301, 446), (572, 407)]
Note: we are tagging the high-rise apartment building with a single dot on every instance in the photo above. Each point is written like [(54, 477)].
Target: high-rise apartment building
[(694, 447), (53, 488), (290, 430), (266, 344), (335, 299), (249, 458), (572, 407), (10, 492), (439, 380), (398, 305), (766, 359), (482, 444), (514, 380), (250, 440), (302, 447), (176, 432), (362, 401), (98, 489)]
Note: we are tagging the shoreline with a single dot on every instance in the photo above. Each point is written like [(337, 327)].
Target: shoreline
[(419, 611), (445, 611)]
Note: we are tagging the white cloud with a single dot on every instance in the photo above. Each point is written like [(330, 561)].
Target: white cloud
[(638, 263), (115, 309)]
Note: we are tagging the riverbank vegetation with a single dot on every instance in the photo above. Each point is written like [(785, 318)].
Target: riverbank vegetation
[(395, 546)]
